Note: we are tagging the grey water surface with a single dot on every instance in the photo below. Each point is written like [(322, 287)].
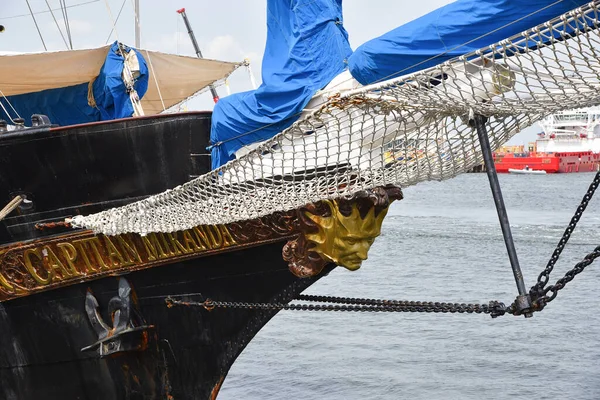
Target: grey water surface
[(443, 243)]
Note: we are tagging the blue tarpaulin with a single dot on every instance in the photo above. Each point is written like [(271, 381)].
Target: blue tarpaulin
[(307, 46), (441, 35), (69, 105)]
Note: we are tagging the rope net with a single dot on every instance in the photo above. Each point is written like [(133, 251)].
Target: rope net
[(402, 131)]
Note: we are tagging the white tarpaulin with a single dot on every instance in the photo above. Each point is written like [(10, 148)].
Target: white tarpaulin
[(178, 77)]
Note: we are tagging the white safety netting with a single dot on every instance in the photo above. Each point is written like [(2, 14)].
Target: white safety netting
[(402, 131)]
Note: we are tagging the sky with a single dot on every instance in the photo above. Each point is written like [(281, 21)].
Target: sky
[(230, 30)]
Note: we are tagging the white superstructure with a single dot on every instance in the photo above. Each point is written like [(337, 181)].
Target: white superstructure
[(571, 131)]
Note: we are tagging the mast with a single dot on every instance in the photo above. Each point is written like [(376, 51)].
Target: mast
[(136, 11), (181, 11)]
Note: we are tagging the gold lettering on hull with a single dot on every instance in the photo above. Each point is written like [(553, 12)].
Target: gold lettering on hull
[(55, 262), (34, 256)]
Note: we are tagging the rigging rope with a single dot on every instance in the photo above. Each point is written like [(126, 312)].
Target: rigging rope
[(137, 19), (127, 73), (6, 112), (7, 209), (36, 25), (112, 19), (90, 93), (10, 105), (63, 6), (155, 80), (113, 29), (54, 9), (57, 26)]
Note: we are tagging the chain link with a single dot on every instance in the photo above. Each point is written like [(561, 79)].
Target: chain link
[(551, 291), (494, 308), (538, 292)]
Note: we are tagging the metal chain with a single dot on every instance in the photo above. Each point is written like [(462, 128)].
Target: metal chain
[(538, 292), (494, 308), (551, 291)]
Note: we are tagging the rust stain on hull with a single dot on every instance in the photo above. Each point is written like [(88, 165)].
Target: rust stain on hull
[(216, 388)]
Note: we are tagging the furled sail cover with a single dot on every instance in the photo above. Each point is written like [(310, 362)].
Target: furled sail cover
[(58, 83), (307, 46), (450, 31)]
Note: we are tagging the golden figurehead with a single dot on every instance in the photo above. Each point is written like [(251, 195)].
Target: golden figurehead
[(345, 239), (338, 231)]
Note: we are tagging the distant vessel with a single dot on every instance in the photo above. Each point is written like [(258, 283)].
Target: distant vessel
[(570, 142), (527, 171)]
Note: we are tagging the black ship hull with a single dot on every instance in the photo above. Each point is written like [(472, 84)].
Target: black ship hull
[(189, 349), (83, 169), (186, 351), (85, 316)]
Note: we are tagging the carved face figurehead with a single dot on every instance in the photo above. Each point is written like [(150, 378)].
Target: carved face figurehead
[(345, 239)]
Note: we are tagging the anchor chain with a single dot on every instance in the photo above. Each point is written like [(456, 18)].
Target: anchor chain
[(540, 294), (494, 308)]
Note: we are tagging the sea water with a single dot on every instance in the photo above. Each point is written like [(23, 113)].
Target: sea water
[(443, 243)]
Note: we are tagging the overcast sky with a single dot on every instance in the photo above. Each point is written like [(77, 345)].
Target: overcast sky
[(227, 29)]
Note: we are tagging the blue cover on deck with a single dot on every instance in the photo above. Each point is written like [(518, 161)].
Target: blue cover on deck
[(420, 43), (69, 105), (307, 46)]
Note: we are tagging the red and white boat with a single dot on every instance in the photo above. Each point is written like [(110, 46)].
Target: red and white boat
[(570, 142)]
